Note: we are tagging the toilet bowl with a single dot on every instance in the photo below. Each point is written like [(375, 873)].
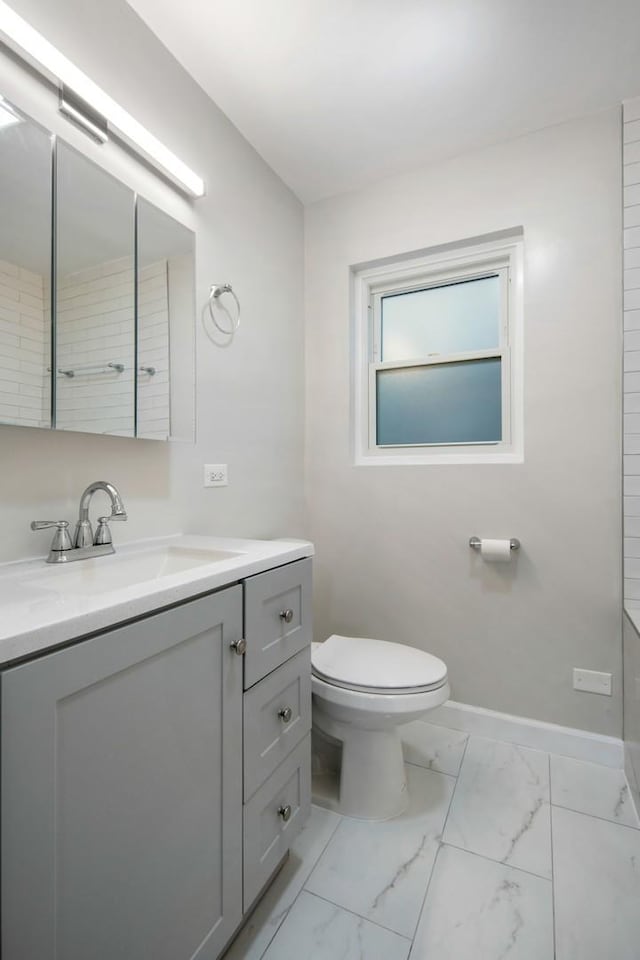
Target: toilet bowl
[(363, 691)]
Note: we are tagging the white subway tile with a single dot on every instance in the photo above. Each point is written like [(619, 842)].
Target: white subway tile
[(632, 506), (632, 257), (632, 526), (631, 131), (632, 402), (632, 360), (631, 216), (632, 279), (631, 174), (631, 568), (631, 237), (631, 152), (632, 320), (632, 547), (631, 486), (9, 294), (631, 341), (631, 195), (632, 300)]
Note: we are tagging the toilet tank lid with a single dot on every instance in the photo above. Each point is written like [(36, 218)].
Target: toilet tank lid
[(361, 662)]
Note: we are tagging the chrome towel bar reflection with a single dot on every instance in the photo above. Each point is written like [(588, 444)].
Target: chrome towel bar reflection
[(475, 543), (91, 369)]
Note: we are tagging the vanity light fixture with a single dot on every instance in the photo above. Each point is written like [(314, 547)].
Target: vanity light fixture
[(7, 116), (22, 38)]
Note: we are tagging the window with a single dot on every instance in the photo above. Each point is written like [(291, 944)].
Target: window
[(438, 365)]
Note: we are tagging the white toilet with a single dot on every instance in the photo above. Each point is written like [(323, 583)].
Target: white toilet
[(363, 691)]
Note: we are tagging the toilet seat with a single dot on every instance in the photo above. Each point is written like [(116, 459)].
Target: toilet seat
[(369, 666)]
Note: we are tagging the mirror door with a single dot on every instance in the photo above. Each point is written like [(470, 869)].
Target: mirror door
[(25, 270), (94, 290)]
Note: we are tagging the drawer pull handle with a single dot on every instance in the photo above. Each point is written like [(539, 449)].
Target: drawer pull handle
[(239, 646), (285, 812), (285, 714), (286, 615)]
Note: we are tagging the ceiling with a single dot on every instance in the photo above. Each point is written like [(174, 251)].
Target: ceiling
[(336, 94)]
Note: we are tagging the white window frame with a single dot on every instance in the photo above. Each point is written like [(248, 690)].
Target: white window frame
[(372, 282)]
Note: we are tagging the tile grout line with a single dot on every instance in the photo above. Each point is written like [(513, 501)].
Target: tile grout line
[(499, 863), (440, 846), (426, 894), (553, 883), (339, 906), (421, 766), (595, 816), (592, 816), (315, 863)]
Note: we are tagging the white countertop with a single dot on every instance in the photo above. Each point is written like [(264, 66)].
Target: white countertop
[(43, 605)]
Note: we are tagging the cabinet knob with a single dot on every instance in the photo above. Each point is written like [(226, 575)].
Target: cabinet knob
[(285, 812), (239, 646), (285, 714), (286, 615)]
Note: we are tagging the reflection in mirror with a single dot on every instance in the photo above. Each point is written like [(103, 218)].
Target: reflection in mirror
[(95, 350), (25, 270), (166, 307)]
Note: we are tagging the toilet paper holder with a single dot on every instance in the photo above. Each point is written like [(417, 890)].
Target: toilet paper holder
[(475, 543)]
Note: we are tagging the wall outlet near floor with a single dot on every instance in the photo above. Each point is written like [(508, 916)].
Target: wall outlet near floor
[(592, 681), (215, 475)]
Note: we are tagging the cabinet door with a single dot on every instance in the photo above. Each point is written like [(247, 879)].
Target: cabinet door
[(122, 792)]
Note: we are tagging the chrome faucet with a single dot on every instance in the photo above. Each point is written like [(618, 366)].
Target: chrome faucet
[(84, 534), (85, 544)]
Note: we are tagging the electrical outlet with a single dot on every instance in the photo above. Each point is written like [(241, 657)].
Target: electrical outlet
[(215, 475), (592, 681)]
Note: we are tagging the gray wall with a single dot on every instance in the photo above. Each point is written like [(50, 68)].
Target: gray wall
[(392, 542), (250, 233)]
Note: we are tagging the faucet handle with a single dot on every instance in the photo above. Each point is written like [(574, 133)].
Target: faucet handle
[(61, 539), (103, 533)]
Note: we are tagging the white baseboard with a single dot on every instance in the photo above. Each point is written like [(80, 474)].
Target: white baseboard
[(566, 741)]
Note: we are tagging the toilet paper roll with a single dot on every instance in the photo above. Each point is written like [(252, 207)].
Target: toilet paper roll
[(496, 551)]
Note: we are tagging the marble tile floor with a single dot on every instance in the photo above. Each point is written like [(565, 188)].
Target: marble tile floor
[(505, 853)]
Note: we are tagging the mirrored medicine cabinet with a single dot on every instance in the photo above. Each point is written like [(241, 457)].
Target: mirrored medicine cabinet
[(97, 296)]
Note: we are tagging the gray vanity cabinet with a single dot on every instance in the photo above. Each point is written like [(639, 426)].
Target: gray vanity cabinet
[(122, 791)]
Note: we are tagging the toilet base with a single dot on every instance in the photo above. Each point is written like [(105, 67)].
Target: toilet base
[(372, 779)]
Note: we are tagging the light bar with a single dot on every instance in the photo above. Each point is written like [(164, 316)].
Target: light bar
[(31, 45)]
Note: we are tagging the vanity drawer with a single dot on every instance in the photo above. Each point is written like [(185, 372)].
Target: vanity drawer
[(277, 618), (277, 715), (273, 818)]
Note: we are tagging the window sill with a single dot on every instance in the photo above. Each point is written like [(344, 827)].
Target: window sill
[(435, 459)]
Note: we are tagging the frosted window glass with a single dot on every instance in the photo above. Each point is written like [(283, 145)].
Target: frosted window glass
[(440, 403), (456, 318)]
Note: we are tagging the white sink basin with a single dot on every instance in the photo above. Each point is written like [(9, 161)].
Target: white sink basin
[(105, 574)]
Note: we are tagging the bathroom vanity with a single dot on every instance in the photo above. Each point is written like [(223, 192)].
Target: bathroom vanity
[(155, 745)]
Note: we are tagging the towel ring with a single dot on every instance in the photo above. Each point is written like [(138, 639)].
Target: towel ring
[(216, 291)]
